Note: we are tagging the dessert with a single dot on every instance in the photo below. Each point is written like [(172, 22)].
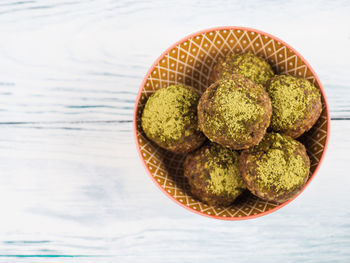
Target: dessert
[(170, 119), (275, 169), (213, 174), (296, 104), (234, 112), (247, 64)]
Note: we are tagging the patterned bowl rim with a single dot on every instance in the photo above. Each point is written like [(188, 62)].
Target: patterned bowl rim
[(218, 29)]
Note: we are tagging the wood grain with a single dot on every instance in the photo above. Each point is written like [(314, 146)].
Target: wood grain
[(71, 182)]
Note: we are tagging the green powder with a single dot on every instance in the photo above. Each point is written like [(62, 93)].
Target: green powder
[(249, 65), (279, 164), (225, 177), (290, 98), (235, 101), (277, 170), (170, 114)]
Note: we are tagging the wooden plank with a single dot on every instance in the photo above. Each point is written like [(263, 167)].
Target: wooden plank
[(71, 182), (85, 192), (90, 67)]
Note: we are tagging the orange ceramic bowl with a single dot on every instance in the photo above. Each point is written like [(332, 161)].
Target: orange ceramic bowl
[(189, 61)]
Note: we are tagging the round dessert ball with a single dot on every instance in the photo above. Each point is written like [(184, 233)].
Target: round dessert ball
[(247, 64), (296, 104), (170, 119), (275, 169), (234, 112), (213, 174)]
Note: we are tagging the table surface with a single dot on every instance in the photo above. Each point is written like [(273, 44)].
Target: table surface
[(72, 187)]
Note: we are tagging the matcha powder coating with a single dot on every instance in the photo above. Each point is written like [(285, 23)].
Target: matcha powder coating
[(280, 167), (275, 169), (225, 177), (213, 174), (247, 64), (236, 108), (296, 104), (170, 119), (234, 112)]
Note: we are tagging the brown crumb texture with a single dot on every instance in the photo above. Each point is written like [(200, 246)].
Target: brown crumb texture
[(234, 112), (170, 119), (249, 65), (296, 104), (275, 169), (213, 174)]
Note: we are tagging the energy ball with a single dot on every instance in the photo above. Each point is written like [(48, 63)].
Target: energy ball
[(275, 169), (247, 64), (213, 174), (296, 104), (234, 112), (170, 119)]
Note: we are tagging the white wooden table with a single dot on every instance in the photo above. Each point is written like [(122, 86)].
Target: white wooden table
[(72, 187)]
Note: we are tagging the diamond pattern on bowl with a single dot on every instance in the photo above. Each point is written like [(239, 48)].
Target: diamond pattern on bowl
[(190, 63)]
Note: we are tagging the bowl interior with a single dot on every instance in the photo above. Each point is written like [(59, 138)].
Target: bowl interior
[(190, 62)]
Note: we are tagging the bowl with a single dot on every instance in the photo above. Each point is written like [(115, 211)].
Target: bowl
[(189, 61)]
